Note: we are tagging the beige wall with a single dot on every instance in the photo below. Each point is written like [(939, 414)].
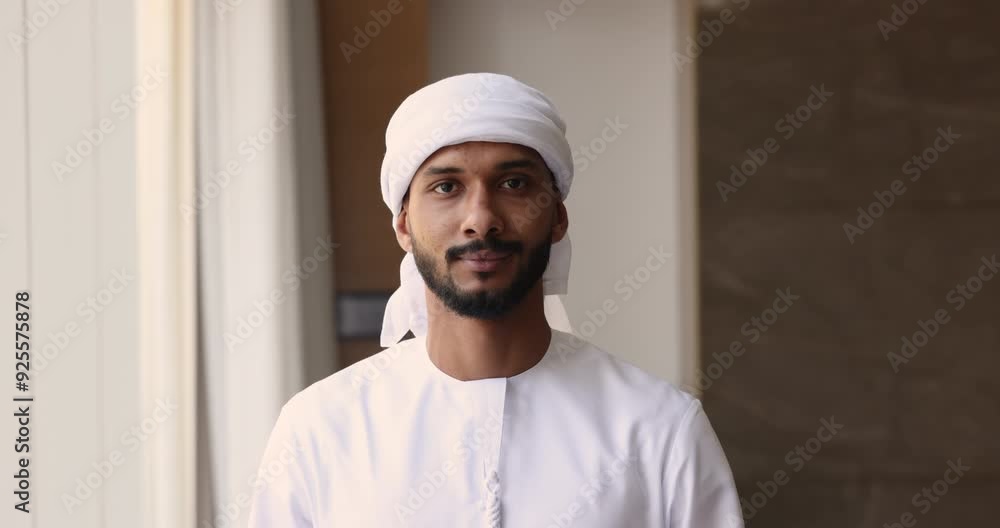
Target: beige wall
[(606, 60)]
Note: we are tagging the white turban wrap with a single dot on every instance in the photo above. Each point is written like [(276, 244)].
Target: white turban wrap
[(470, 107)]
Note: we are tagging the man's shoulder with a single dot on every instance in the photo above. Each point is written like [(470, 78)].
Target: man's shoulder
[(633, 386), (348, 388)]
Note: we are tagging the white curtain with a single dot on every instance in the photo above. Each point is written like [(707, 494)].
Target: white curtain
[(265, 250), (166, 261)]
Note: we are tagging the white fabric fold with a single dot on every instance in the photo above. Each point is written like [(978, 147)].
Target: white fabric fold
[(459, 109)]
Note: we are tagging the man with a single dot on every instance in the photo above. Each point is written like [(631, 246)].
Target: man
[(491, 415)]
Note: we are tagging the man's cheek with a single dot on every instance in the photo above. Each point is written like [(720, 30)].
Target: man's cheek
[(522, 220)]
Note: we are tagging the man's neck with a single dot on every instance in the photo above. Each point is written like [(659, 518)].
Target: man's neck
[(469, 349)]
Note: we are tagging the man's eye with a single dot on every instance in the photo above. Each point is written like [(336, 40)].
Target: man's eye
[(438, 186), (520, 181)]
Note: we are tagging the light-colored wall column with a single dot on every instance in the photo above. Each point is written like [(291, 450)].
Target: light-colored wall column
[(607, 65)]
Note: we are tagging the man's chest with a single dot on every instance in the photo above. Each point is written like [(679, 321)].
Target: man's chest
[(544, 475)]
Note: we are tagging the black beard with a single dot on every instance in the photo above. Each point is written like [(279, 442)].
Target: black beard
[(486, 305)]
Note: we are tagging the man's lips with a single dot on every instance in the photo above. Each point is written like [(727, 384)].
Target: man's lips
[(484, 256), (485, 261)]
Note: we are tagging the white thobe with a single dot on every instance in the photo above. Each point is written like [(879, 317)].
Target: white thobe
[(580, 439)]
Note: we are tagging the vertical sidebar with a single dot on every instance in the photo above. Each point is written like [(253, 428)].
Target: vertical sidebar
[(19, 505)]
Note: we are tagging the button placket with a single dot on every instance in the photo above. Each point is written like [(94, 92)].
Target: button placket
[(492, 505), (491, 458)]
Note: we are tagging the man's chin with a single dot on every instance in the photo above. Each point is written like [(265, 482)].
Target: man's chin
[(487, 309), (473, 283), (490, 288)]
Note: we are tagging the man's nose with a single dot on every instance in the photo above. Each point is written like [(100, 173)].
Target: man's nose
[(481, 216)]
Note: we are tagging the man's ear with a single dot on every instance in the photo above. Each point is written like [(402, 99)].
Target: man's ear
[(403, 235), (561, 224)]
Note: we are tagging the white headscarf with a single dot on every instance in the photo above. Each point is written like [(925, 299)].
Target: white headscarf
[(470, 107)]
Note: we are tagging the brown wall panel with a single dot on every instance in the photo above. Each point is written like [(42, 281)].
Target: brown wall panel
[(365, 78), (361, 92), (827, 355)]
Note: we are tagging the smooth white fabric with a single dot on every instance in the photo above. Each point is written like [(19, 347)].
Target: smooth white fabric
[(459, 109), (581, 439)]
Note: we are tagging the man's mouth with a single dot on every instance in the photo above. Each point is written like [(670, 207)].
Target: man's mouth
[(485, 261), (485, 255)]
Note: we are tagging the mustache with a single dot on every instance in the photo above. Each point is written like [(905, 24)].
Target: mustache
[(487, 244)]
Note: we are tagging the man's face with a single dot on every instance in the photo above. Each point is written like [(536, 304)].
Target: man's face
[(480, 219)]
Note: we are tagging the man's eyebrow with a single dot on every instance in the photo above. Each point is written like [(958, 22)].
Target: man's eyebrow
[(434, 171)]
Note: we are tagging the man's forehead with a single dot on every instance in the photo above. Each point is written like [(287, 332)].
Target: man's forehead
[(500, 156)]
